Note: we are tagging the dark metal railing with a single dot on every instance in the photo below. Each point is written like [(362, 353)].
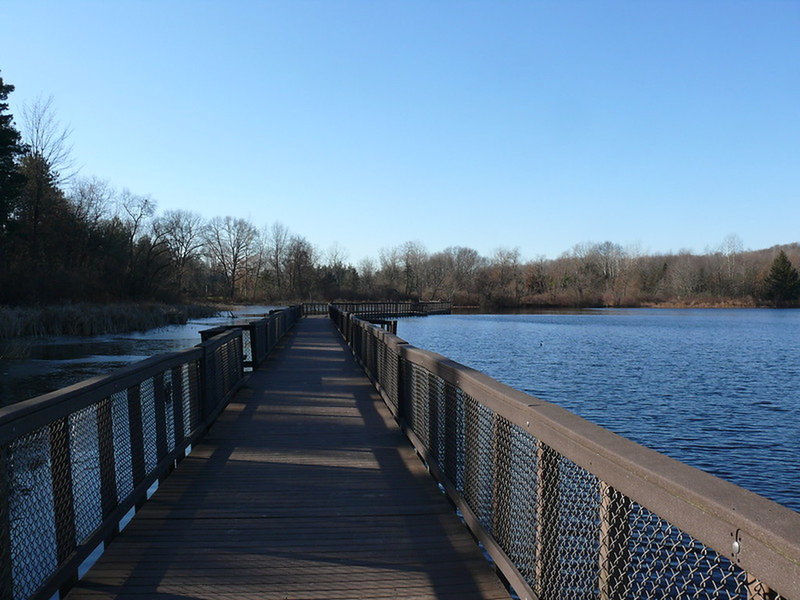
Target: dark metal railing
[(381, 309), (259, 337), (314, 308), (566, 508), (76, 463)]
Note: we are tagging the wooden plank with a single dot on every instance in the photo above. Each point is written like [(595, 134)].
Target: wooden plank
[(304, 488)]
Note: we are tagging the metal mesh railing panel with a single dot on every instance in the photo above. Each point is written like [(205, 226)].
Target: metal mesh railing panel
[(170, 387), (247, 346), (147, 399), (389, 374), (567, 513), (478, 459), (453, 463), (659, 561), (436, 418), (191, 396), (221, 368), (419, 416), (32, 526), (514, 509), (121, 435), (85, 466)]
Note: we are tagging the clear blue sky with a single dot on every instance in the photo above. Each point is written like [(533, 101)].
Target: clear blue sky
[(530, 124)]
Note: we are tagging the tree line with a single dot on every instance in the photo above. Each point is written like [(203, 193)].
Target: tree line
[(69, 238)]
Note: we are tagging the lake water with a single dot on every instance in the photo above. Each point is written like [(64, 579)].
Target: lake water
[(33, 366), (717, 389)]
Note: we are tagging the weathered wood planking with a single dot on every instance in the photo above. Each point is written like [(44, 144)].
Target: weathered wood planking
[(305, 488)]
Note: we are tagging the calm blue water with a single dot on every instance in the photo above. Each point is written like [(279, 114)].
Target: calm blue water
[(717, 389)]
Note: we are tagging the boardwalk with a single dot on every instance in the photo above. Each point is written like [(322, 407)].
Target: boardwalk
[(304, 488)]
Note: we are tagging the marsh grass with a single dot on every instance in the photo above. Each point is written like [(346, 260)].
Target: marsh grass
[(93, 319)]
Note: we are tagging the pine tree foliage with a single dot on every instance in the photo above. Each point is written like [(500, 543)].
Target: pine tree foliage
[(11, 150), (782, 285)]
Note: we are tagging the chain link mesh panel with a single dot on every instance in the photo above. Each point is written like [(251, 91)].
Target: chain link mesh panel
[(453, 465), (228, 361), (664, 562), (514, 509), (32, 525), (170, 388), (567, 510), (478, 460), (419, 417), (122, 445), (192, 400), (64, 478), (247, 345), (147, 401), (85, 466)]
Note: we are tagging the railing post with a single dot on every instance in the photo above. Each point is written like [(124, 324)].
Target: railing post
[(208, 383), (160, 410), (502, 481), (546, 574), (434, 424), (136, 435), (6, 581), (402, 386), (614, 536), (758, 591), (195, 396), (451, 434), (61, 478), (177, 405), (108, 471)]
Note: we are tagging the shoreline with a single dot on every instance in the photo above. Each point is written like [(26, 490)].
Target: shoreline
[(649, 305), (87, 319)]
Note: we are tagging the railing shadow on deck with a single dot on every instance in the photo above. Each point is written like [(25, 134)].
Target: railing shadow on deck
[(285, 429), (76, 463), (568, 509)]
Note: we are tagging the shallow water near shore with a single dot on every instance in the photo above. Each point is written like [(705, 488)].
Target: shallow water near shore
[(718, 389), (33, 366)]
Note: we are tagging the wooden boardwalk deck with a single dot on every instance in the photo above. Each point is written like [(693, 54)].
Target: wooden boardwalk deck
[(304, 488)]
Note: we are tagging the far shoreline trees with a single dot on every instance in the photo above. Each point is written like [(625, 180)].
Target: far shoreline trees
[(70, 239), (782, 285)]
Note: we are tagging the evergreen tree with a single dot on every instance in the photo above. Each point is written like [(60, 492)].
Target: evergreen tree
[(11, 150), (782, 285)]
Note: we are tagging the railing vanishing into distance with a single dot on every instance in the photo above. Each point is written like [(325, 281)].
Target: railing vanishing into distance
[(259, 337), (76, 463), (381, 309), (567, 509)]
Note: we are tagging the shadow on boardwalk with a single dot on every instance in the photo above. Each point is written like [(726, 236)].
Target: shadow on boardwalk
[(304, 488)]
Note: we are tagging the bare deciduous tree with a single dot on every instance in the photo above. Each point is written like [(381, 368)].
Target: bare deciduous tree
[(135, 210), (277, 240), (93, 200), (48, 139), (366, 274), (299, 266), (228, 242), (182, 232)]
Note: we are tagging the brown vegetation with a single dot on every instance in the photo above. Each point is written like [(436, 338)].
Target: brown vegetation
[(88, 319)]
